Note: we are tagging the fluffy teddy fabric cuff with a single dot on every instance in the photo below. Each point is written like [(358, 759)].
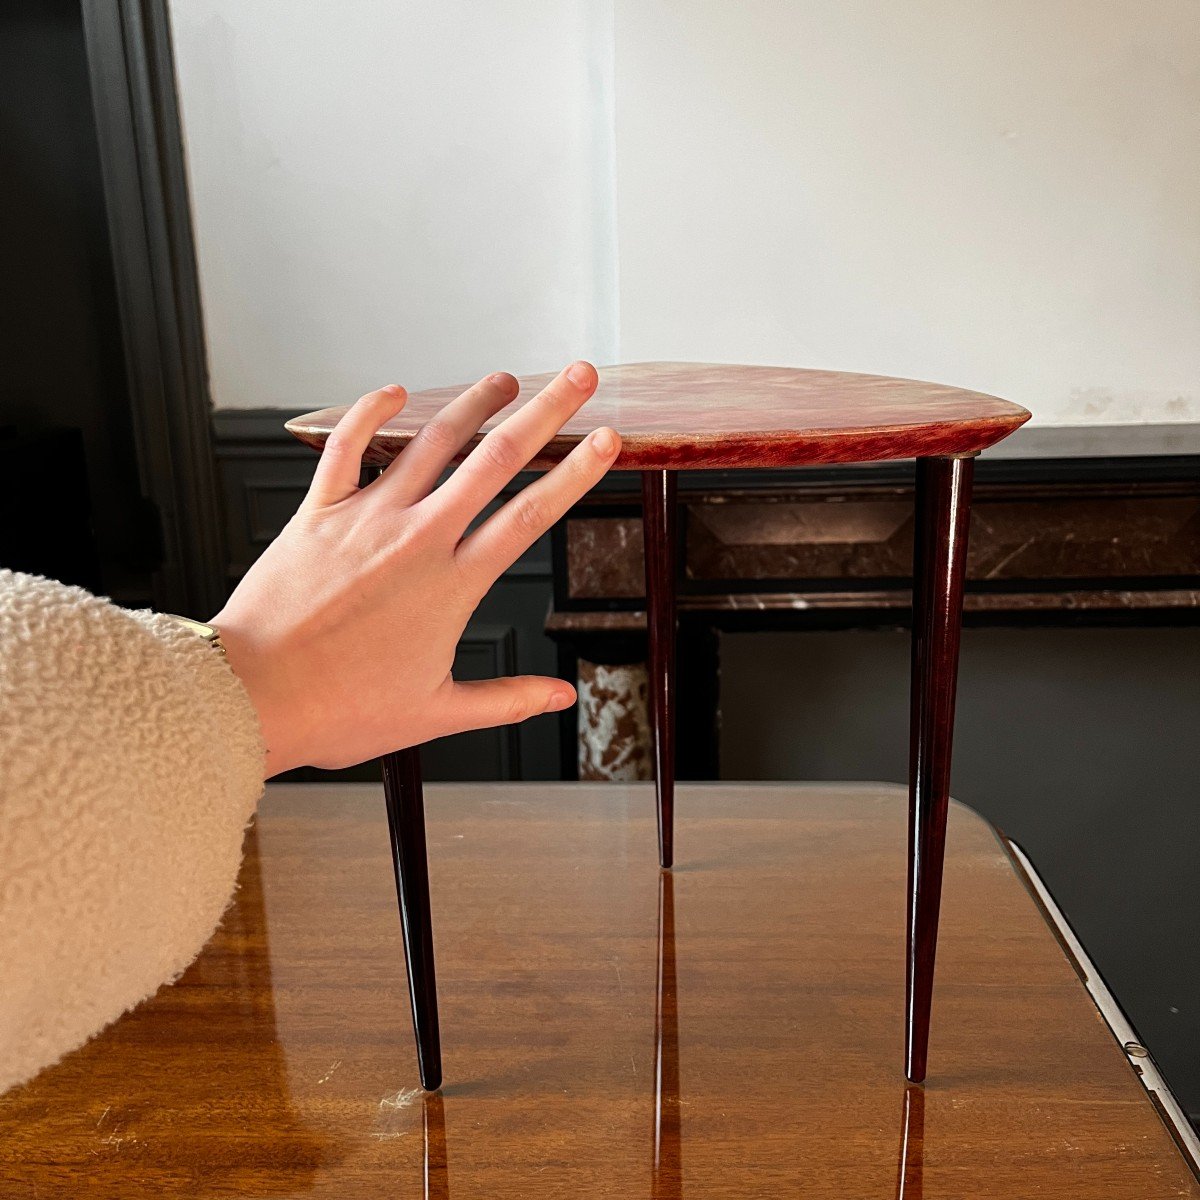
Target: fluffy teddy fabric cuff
[(130, 763)]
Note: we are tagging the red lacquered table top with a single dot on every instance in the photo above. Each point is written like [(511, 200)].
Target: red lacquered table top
[(706, 415)]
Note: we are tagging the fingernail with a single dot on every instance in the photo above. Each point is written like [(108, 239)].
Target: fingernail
[(394, 389), (582, 374), (505, 382), (558, 701), (604, 443)]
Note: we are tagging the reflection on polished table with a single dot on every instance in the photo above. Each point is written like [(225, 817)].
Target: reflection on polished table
[(610, 1030)]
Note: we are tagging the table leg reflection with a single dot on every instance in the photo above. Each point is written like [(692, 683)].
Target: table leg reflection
[(666, 1168), (437, 1181), (666, 1165), (911, 1167)]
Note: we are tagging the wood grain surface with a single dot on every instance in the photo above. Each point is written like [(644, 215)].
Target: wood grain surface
[(737, 1035), (694, 416)]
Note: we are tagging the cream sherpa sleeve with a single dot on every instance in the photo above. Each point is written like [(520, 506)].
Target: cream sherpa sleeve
[(130, 762)]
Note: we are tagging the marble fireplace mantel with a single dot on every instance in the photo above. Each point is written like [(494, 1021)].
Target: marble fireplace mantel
[(1072, 525)]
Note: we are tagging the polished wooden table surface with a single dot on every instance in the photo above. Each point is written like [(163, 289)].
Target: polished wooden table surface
[(693, 416), (731, 1030)]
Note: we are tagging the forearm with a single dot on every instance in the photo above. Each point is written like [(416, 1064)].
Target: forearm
[(130, 762)]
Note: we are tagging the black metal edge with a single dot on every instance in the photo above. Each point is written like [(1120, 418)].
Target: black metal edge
[(1141, 1062)]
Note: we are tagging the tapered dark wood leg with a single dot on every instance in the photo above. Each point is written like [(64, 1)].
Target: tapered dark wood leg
[(665, 1167), (943, 512), (406, 823), (658, 525)]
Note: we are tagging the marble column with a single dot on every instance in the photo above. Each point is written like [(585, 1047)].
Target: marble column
[(614, 722)]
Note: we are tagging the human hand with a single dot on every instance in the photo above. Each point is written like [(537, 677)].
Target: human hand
[(344, 631)]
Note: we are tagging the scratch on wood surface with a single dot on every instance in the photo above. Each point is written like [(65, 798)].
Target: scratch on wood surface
[(402, 1099), (388, 1121), (117, 1142), (333, 1066)]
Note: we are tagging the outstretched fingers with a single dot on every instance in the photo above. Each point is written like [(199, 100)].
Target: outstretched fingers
[(492, 548), (340, 464), (416, 469), (507, 449)]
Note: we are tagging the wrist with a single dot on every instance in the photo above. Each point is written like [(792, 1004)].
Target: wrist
[(256, 664)]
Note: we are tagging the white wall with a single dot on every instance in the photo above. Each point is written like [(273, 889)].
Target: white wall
[(998, 194), (1001, 194), (394, 191)]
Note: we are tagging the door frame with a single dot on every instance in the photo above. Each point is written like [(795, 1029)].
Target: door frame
[(158, 296)]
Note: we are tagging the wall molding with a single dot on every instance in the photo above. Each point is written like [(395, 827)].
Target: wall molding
[(149, 220)]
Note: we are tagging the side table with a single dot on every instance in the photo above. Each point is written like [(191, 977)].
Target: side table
[(700, 416)]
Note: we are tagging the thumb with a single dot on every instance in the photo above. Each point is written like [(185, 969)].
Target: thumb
[(481, 704)]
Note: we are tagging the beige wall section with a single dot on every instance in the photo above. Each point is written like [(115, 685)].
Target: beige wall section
[(1001, 195), (397, 191)]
